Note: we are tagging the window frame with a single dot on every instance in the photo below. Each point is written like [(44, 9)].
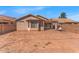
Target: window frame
[(34, 24)]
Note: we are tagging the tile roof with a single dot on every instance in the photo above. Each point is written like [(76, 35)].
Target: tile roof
[(29, 16), (42, 17), (62, 20), (3, 18)]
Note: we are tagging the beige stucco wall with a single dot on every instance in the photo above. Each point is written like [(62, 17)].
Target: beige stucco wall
[(22, 25), (29, 18), (42, 26)]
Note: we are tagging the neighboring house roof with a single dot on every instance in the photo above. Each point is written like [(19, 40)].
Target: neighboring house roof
[(29, 16), (50, 21), (6, 18), (63, 20)]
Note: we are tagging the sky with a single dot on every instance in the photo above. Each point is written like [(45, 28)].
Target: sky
[(72, 12)]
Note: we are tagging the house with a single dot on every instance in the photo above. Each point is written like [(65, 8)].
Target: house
[(31, 22), (7, 24), (65, 23)]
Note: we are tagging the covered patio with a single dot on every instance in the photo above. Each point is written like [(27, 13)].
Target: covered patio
[(49, 24)]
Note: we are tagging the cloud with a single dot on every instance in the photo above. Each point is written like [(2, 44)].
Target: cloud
[(21, 11), (38, 8), (25, 10), (2, 11)]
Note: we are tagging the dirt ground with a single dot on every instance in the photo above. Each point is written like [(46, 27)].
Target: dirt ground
[(39, 41)]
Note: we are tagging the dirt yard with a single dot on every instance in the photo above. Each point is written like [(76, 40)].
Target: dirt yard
[(39, 41)]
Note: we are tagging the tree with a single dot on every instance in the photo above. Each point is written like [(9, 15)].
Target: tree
[(63, 15)]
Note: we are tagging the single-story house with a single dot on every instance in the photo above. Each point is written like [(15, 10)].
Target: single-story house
[(7, 24), (31, 22)]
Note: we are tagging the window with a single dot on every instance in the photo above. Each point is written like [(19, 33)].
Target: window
[(33, 24), (0, 22), (12, 23), (3, 22)]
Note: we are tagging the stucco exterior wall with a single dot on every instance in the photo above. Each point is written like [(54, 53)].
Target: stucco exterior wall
[(42, 25), (22, 25)]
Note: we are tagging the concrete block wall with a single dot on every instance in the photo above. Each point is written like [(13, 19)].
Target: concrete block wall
[(4, 28)]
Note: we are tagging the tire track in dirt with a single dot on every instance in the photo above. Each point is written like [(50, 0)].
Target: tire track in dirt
[(9, 44)]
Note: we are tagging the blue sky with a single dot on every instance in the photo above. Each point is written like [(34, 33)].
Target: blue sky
[(47, 11)]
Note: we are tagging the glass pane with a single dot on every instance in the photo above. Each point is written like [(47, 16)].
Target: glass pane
[(33, 24)]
